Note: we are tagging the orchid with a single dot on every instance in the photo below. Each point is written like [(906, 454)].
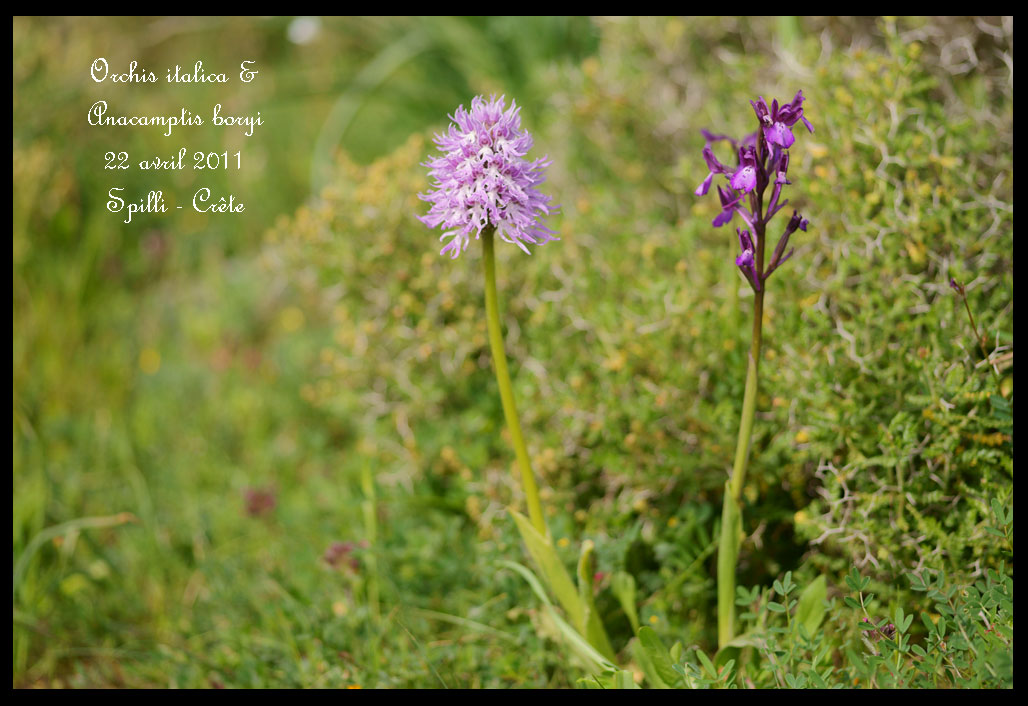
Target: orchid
[(776, 122), (762, 161), (482, 179), (484, 185)]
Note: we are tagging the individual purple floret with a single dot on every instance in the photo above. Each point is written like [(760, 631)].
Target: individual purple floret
[(745, 261), (482, 179), (745, 177), (712, 163), (760, 163), (729, 205), (776, 122)]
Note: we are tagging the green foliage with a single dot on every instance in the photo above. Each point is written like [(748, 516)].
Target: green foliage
[(339, 361), (577, 603), (160, 369), (810, 608), (967, 643)]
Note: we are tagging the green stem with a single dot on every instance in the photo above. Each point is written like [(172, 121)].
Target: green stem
[(726, 569), (727, 564), (749, 401), (368, 505), (492, 310), (974, 327), (978, 336)]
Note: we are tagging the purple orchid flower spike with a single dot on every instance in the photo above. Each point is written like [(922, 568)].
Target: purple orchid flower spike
[(482, 179), (763, 161)]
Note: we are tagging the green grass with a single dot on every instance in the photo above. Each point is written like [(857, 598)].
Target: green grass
[(166, 368)]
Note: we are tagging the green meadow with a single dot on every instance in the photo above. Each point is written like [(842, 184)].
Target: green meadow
[(267, 449)]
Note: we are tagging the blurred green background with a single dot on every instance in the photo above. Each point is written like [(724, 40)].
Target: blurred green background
[(266, 449)]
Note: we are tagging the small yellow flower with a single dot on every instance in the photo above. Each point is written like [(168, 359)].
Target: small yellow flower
[(291, 319), (817, 151), (149, 361), (616, 362), (591, 66)]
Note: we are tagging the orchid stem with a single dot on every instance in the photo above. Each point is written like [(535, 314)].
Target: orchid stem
[(535, 511), (749, 402), (726, 569), (726, 573)]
